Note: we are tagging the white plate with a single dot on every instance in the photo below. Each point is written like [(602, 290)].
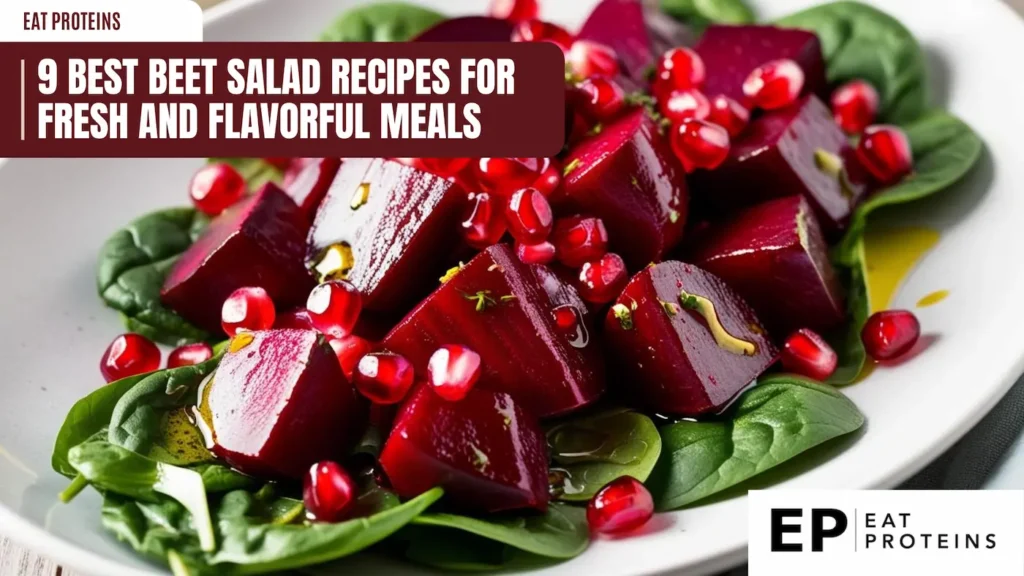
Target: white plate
[(54, 214)]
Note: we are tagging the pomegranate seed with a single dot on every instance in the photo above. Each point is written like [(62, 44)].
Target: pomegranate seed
[(452, 371), (624, 504), (541, 31), (685, 103), (729, 114), (327, 492), (854, 106), (349, 350), (566, 317), (334, 307), (579, 240), (550, 180), (588, 59), (884, 151), (700, 144), (383, 377), (514, 10), (529, 216), (444, 167), (216, 187), (679, 68), (189, 355), (774, 84), (602, 280), (248, 309), (600, 99), (483, 226), (129, 355), (297, 319), (506, 175), (890, 334), (806, 353), (542, 253)]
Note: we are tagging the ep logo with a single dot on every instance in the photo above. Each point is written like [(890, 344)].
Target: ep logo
[(824, 523)]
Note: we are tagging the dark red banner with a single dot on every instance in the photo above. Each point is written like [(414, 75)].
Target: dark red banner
[(281, 99)]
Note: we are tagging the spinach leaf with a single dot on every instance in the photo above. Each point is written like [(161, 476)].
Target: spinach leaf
[(156, 529), (256, 171), (133, 264), (771, 423), (254, 546), (451, 551), (699, 14), (862, 42), (87, 417), (944, 149), (560, 533), (112, 468), (220, 478), (846, 341), (384, 22), (589, 452), (150, 419)]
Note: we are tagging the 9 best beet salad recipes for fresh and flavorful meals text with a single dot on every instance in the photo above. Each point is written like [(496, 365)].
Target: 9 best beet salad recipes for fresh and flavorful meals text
[(474, 362)]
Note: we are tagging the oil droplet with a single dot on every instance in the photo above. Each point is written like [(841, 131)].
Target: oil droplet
[(360, 196), (240, 341), (182, 440), (203, 415), (890, 254), (932, 299), (335, 263)]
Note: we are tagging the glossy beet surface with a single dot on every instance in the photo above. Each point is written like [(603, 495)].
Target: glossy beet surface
[(731, 53), (259, 242), (637, 34), (666, 357), (278, 403), (468, 29), (328, 492), (502, 308), (775, 256), (628, 176), (776, 157), (486, 451), (129, 355), (624, 504), (401, 224), (311, 184)]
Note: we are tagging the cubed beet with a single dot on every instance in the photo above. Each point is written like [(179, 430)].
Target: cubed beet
[(311, 184), (730, 54), (776, 157), (468, 29), (258, 242), (278, 403), (628, 177), (639, 34), (401, 224), (665, 354), (505, 311), (486, 451), (775, 256)]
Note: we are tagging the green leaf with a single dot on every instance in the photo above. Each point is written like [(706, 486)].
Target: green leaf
[(255, 171), (86, 418), (114, 469), (255, 546), (769, 424), (862, 42), (562, 532), (589, 452), (220, 478), (944, 148), (384, 22), (699, 14), (150, 418), (846, 341), (133, 264), (154, 529), (452, 551)]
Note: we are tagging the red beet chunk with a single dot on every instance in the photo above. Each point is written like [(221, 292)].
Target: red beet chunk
[(776, 157), (468, 29), (774, 255), (311, 184), (503, 310), (731, 53), (628, 176), (259, 242), (665, 352), (401, 223), (638, 34), (279, 403), (486, 451)]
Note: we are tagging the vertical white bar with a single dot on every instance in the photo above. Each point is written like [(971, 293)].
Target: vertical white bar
[(22, 100)]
